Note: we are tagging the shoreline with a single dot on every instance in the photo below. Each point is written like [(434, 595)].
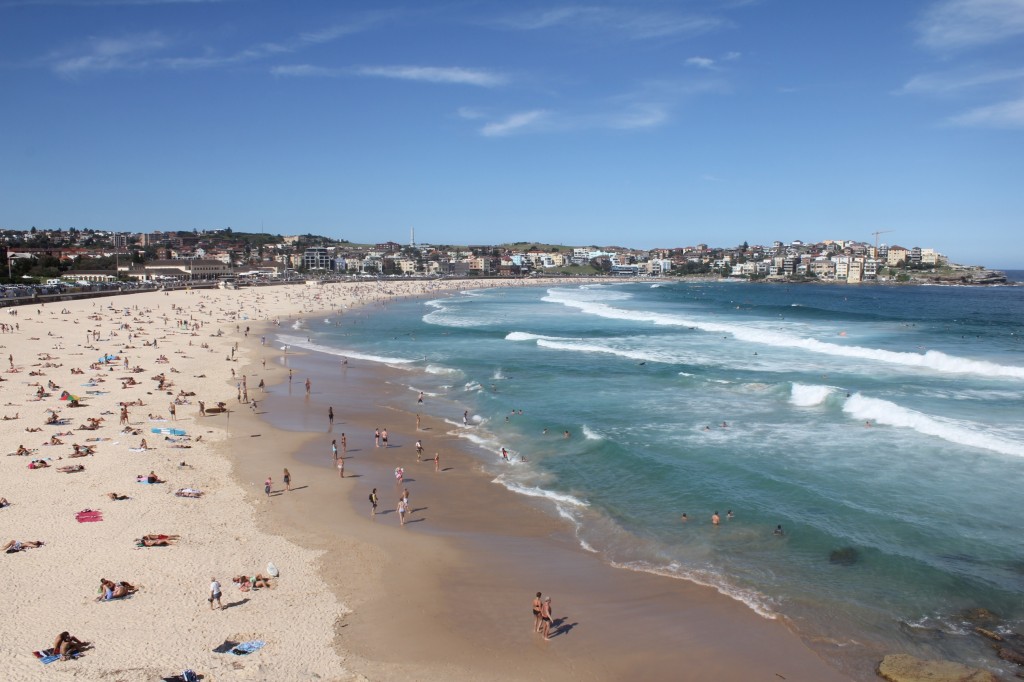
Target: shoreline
[(470, 564)]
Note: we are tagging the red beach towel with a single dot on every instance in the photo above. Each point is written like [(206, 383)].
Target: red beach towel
[(89, 515)]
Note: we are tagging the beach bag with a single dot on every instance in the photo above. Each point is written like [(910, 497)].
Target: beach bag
[(272, 570), (189, 675)]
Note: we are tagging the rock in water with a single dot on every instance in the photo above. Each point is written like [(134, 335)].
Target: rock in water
[(1010, 655), (847, 556), (906, 668)]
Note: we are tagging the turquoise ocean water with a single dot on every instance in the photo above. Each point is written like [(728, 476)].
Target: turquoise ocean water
[(882, 427)]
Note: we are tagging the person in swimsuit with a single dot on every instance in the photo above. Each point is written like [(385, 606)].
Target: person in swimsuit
[(545, 617), (384, 437), (536, 613), (373, 502), (287, 480)]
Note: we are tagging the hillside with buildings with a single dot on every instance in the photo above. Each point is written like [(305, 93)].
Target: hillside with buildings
[(104, 256)]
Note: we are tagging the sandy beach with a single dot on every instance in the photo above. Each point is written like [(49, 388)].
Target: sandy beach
[(357, 597)]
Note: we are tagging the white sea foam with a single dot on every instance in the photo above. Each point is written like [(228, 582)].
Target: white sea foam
[(932, 360), (590, 434), (526, 336), (803, 395), (438, 369), (534, 491), (963, 433), (472, 386), (297, 324), (299, 342), (756, 601)]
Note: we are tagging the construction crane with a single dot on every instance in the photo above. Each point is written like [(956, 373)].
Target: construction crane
[(878, 232)]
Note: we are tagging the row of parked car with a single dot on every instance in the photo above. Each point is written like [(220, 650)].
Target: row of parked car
[(52, 287)]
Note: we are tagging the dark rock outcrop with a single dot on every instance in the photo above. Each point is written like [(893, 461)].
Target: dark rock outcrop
[(906, 668)]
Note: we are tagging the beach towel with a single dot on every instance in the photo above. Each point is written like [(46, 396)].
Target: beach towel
[(246, 648), (46, 656), (89, 515), (243, 649), (167, 431)]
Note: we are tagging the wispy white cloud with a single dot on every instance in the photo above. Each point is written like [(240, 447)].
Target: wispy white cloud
[(958, 24), (436, 74), (949, 82), (633, 23), (136, 52), (428, 74), (102, 3), (636, 117), (305, 70), (515, 123), (732, 56), (1003, 115), (469, 113), (701, 62), (110, 54)]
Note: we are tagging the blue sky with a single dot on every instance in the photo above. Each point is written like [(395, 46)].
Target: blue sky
[(640, 124)]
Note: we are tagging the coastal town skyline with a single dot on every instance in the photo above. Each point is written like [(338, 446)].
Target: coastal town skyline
[(645, 124)]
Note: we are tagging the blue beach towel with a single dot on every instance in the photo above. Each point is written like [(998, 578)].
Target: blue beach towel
[(46, 656), (246, 648), (168, 432)]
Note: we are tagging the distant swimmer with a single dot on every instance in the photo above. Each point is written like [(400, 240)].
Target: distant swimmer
[(683, 518), (778, 530), (565, 434), (729, 516), (715, 519), (867, 423), (725, 425)]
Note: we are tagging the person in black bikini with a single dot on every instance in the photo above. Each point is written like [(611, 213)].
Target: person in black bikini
[(536, 613)]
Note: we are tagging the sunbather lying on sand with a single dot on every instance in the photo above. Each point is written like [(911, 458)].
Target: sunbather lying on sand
[(117, 497), (188, 492), (38, 464), (111, 590), (246, 583), (71, 468), (20, 545), (150, 478), (155, 540)]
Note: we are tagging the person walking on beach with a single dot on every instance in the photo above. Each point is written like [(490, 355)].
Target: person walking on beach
[(267, 484), (403, 507), (465, 418), (376, 438), (405, 497), (344, 444), (373, 502), (330, 417), (334, 450), (437, 461), (309, 385), (287, 480), (419, 450), (214, 594), (384, 437), (174, 415), (341, 467), (537, 603)]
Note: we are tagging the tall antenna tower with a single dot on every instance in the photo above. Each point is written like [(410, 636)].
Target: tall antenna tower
[(412, 237)]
